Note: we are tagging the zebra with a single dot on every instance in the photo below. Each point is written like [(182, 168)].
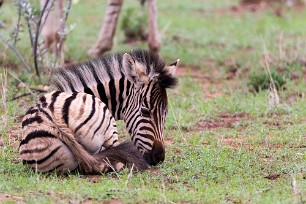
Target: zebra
[(66, 131), (133, 86)]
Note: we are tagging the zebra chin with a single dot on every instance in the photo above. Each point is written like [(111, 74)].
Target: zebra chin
[(156, 155)]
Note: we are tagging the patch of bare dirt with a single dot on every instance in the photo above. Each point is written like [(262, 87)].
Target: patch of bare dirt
[(212, 83), (178, 153), (192, 71), (169, 142), (15, 135), (114, 201), (154, 170), (6, 198), (279, 8), (223, 121), (241, 8), (241, 142), (213, 92), (272, 176), (92, 178), (237, 143), (87, 201), (276, 123), (294, 97), (10, 66)]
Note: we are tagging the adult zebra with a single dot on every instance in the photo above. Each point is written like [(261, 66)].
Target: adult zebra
[(133, 86)]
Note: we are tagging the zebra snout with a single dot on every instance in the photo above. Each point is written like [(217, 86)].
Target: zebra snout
[(157, 155)]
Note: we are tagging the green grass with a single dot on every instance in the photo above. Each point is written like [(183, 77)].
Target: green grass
[(253, 159)]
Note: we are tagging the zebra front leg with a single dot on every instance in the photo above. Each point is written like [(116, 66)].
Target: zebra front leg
[(125, 154)]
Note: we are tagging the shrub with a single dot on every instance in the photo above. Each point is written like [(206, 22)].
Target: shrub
[(261, 81), (134, 24)]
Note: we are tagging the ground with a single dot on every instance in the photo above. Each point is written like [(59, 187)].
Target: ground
[(224, 143)]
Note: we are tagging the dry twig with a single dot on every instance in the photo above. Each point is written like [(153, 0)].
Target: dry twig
[(16, 32), (13, 48), (61, 33), (37, 35)]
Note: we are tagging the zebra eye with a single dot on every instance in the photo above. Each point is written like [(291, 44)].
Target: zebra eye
[(145, 112)]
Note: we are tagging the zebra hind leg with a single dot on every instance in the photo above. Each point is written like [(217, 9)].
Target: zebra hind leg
[(48, 155)]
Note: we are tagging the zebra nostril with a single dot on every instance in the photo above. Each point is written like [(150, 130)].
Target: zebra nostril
[(158, 153)]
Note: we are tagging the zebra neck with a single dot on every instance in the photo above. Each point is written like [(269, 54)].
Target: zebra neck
[(114, 94)]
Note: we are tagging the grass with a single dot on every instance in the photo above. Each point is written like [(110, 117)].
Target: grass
[(224, 143)]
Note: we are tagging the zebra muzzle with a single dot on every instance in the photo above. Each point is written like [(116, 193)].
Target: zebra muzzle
[(157, 155)]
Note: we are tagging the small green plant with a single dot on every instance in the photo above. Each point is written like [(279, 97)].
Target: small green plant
[(134, 24), (261, 81)]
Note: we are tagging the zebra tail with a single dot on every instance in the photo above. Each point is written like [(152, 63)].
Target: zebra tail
[(109, 159), (85, 160), (125, 153)]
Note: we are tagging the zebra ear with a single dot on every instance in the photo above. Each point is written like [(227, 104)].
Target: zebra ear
[(171, 68), (134, 70), (167, 78)]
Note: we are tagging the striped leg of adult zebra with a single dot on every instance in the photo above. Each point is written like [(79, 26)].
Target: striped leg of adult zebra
[(133, 86), (65, 131)]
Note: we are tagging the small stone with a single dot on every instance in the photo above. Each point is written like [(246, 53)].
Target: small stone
[(294, 75), (21, 85)]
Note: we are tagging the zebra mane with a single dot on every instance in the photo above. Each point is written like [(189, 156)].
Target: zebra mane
[(110, 67), (155, 64)]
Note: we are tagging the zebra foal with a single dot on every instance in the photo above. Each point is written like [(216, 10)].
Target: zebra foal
[(133, 86), (64, 131)]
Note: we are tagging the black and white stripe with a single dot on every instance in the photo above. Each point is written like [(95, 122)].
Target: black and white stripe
[(133, 86), (47, 126)]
